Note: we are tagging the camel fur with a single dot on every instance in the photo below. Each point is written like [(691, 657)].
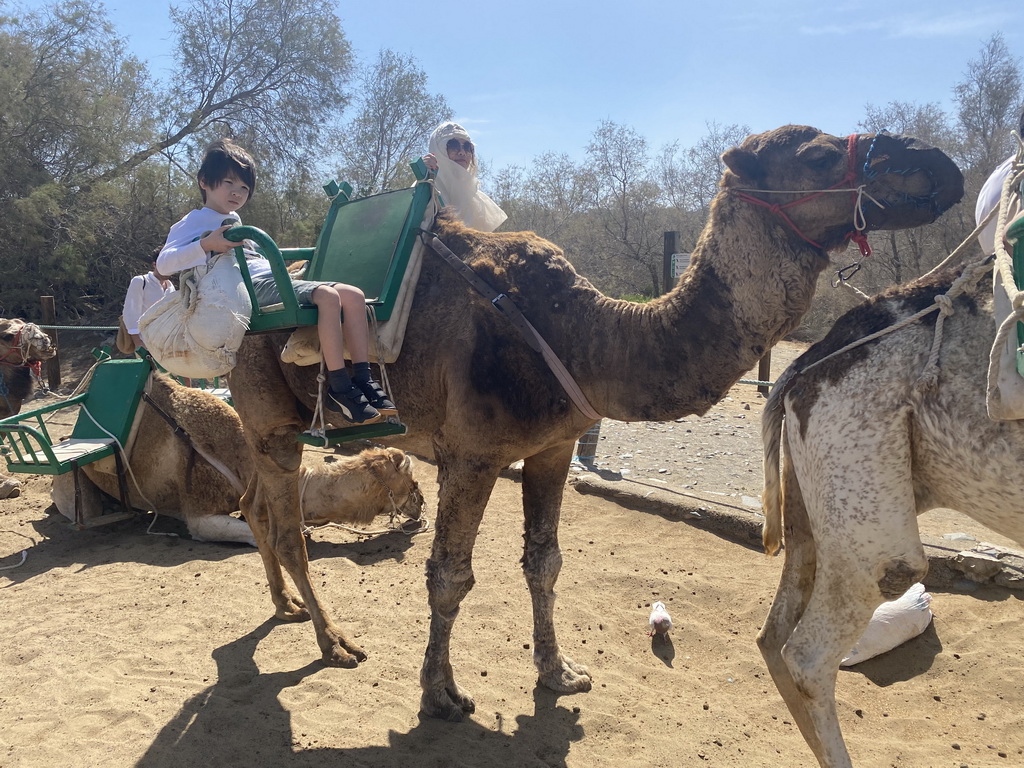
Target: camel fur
[(171, 473), (869, 445), (476, 397), (22, 347)]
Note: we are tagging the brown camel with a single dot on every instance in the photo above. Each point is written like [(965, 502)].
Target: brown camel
[(23, 346), (476, 397), (174, 472)]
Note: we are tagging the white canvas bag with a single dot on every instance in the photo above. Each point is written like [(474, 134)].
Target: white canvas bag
[(197, 331)]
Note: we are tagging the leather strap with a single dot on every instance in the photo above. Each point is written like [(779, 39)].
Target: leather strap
[(512, 313)]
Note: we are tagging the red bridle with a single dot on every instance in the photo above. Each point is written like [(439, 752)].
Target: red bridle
[(779, 209)]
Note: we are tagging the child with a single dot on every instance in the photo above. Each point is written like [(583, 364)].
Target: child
[(227, 179), (143, 292)]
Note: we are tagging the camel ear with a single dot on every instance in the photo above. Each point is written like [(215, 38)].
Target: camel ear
[(399, 458), (743, 163)]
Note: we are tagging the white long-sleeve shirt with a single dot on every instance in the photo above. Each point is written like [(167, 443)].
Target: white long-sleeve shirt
[(182, 249), (143, 292)]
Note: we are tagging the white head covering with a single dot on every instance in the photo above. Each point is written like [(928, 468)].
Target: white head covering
[(458, 186)]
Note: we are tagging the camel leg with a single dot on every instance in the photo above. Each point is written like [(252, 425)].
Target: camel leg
[(543, 483), (464, 488), (271, 506), (790, 601), (862, 512)]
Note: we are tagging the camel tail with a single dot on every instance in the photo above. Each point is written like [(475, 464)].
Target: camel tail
[(771, 441)]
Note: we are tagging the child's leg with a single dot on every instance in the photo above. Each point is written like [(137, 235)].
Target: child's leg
[(354, 328), (342, 395)]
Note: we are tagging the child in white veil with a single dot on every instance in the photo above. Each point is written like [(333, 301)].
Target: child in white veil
[(453, 156)]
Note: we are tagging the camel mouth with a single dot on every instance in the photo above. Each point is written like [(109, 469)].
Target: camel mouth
[(913, 182)]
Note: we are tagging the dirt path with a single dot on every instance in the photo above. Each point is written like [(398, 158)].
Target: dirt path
[(121, 648)]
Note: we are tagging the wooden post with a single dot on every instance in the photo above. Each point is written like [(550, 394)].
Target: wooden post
[(671, 246), (53, 364), (764, 372)]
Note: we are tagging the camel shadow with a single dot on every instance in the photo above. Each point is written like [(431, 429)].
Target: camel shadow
[(59, 545), (242, 714), (387, 546)]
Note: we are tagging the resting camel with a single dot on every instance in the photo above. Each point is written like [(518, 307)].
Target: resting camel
[(198, 474), (869, 446), (476, 397), (23, 347)]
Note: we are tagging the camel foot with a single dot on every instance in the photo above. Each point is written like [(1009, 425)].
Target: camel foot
[(568, 677), (339, 656), (292, 609), (450, 703)]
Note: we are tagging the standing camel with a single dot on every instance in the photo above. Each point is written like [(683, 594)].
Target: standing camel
[(476, 397), (870, 444)]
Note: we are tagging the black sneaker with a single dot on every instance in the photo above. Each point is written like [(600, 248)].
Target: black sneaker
[(376, 397), (351, 404)]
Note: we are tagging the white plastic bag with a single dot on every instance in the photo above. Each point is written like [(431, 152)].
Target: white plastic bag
[(197, 331), (892, 624)]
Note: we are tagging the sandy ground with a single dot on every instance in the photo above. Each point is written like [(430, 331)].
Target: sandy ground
[(121, 648)]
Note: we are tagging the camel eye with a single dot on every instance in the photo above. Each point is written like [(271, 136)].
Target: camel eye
[(818, 158)]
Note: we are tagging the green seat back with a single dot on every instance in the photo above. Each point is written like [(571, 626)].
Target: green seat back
[(112, 400), (368, 242)]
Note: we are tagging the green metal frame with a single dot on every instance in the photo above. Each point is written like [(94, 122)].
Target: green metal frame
[(365, 242), (112, 400)]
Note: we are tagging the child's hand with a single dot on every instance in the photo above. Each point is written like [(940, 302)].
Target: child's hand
[(430, 161), (215, 242)]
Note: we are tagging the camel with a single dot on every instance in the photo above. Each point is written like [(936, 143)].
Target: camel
[(476, 397), (23, 348), (172, 471), (869, 445)]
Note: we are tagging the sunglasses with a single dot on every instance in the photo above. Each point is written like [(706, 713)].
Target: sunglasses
[(454, 145)]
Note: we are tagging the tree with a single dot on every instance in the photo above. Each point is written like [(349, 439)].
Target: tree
[(396, 115), (989, 103), (625, 208), (276, 68)]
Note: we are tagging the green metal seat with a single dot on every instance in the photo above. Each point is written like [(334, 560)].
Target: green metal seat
[(366, 243), (105, 418)]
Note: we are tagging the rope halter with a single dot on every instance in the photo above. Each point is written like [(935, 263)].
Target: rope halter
[(845, 184), (21, 346)]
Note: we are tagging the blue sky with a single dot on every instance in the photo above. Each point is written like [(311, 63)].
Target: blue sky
[(530, 76)]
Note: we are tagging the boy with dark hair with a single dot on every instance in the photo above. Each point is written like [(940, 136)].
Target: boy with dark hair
[(227, 179)]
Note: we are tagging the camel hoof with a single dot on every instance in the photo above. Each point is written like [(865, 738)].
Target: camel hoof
[(339, 657), (293, 610), (570, 678), (448, 705)]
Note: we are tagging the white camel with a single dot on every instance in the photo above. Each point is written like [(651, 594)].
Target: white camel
[(875, 436)]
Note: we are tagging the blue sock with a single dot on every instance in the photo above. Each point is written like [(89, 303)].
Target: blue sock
[(361, 372)]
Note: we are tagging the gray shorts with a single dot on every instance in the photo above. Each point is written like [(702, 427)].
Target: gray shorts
[(267, 294)]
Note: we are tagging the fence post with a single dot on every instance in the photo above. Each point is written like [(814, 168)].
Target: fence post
[(671, 246), (764, 372), (50, 318)]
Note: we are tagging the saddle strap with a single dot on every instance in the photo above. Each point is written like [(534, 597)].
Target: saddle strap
[(184, 436), (512, 313)]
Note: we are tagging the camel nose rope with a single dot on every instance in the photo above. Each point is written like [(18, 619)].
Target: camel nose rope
[(842, 187)]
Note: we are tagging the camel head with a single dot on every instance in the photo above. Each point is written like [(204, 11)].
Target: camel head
[(24, 343), (830, 190), (403, 486)]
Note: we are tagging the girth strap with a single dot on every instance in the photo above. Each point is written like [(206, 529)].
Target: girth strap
[(512, 313), (181, 434)]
